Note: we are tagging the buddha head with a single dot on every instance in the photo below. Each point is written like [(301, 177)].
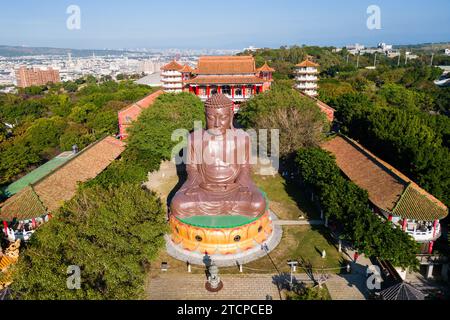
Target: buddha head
[(219, 114)]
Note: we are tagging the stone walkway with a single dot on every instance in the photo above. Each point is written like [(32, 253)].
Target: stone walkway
[(352, 286), (298, 222)]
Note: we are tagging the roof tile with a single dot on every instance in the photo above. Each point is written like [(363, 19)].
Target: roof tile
[(226, 65), (23, 205), (388, 188)]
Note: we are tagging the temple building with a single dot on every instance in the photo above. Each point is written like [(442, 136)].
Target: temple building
[(235, 76), (392, 194), (171, 77), (306, 77), (39, 194)]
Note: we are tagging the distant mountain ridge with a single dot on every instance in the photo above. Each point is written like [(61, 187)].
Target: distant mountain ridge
[(16, 51)]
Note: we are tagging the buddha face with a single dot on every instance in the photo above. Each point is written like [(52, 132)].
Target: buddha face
[(218, 120)]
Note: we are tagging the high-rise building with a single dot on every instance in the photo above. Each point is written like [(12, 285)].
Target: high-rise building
[(306, 77), (27, 77)]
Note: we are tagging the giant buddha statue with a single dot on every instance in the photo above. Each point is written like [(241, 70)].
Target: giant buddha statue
[(218, 168), (219, 210)]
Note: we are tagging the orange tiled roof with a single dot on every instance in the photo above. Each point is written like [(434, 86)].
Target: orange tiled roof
[(147, 101), (61, 184), (307, 63), (266, 68), (226, 65), (329, 111), (144, 103), (388, 188), (225, 80), (186, 68), (173, 65)]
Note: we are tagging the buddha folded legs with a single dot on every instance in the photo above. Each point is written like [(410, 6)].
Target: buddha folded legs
[(232, 201)]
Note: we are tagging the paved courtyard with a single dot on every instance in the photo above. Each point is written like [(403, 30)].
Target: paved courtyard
[(249, 286), (192, 287)]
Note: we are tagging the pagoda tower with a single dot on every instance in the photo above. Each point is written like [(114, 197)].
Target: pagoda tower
[(265, 73), (171, 77), (186, 72), (306, 77)]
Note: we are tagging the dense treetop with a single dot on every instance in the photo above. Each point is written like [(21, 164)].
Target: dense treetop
[(110, 234), (49, 119), (299, 119)]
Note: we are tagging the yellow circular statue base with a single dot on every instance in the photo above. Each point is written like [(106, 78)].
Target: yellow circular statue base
[(221, 240)]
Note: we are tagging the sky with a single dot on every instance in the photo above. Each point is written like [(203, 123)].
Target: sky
[(226, 24)]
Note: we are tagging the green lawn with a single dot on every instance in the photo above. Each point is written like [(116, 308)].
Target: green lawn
[(301, 243), (287, 200)]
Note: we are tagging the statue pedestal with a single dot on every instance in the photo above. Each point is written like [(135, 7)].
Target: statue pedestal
[(226, 240)]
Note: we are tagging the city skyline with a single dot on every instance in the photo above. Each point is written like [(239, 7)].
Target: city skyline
[(229, 25)]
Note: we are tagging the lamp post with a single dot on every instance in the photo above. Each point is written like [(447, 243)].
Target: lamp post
[(293, 265)]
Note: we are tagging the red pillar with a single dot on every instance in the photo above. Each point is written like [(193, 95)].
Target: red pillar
[(430, 247), (197, 90), (254, 89), (232, 92), (434, 227), (207, 91), (390, 217), (404, 224), (219, 89), (243, 90), (5, 226)]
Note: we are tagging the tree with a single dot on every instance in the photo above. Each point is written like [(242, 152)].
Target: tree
[(70, 86), (398, 96), (110, 234), (44, 134), (75, 134), (81, 114), (345, 202), (150, 137), (300, 121), (309, 293), (34, 90), (331, 89)]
